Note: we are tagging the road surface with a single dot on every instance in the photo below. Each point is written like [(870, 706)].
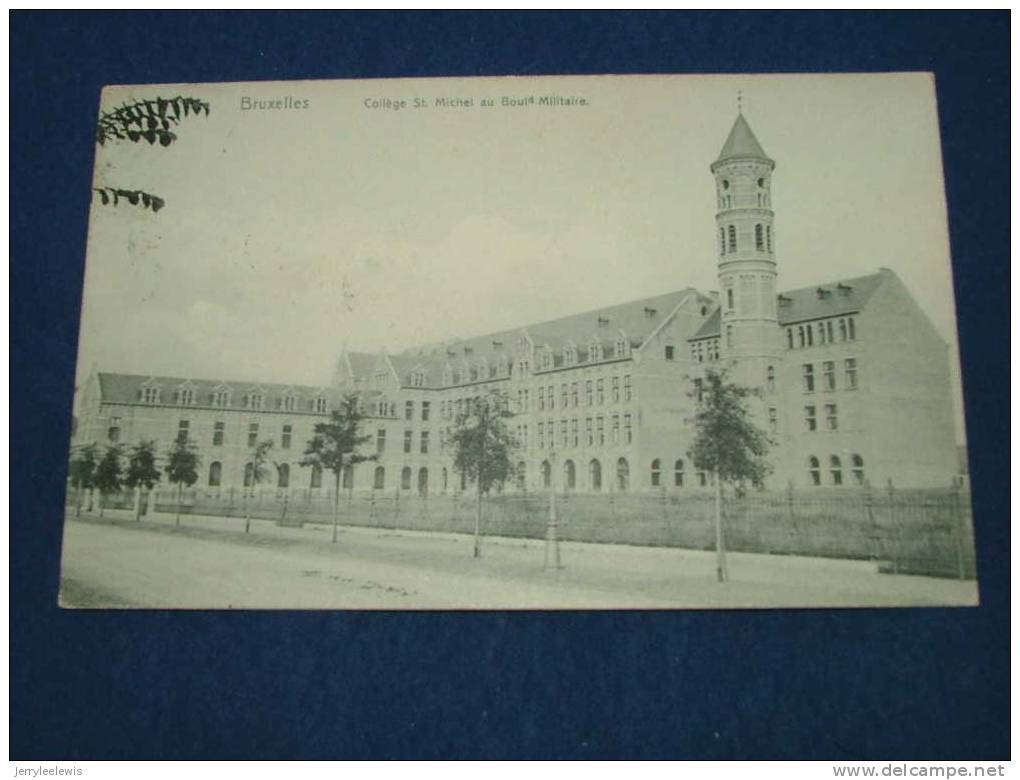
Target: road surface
[(210, 562)]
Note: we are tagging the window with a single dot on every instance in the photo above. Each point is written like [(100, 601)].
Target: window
[(821, 332), (316, 481), (669, 352), (541, 399), (253, 400), (546, 474), (550, 431), (407, 441), (829, 375), (521, 472), (699, 389), (678, 473), (215, 473), (768, 238), (150, 395), (810, 418), (405, 478), (810, 338), (626, 388), (253, 434), (622, 474), (589, 435), (850, 373), (113, 432), (563, 433), (569, 475), (626, 429), (729, 335), (828, 331), (656, 472), (851, 335), (702, 479), (541, 435), (426, 408), (182, 431), (759, 235), (800, 336), (217, 435), (731, 233), (563, 396), (600, 395), (595, 475), (221, 398), (773, 420), (319, 405), (600, 431), (729, 298), (587, 392), (789, 338), (424, 442), (621, 348), (574, 432), (722, 241), (616, 429), (842, 329), (347, 477), (831, 419), (809, 378), (287, 402), (552, 397), (380, 441), (249, 474), (835, 470), (379, 478), (858, 469), (814, 471), (185, 396), (573, 394), (285, 437), (616, 389), (770, 379), (283, 475), (409, 410)]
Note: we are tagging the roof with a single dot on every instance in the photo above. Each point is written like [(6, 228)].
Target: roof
[(812, 303), (126, 389), (741, 142)]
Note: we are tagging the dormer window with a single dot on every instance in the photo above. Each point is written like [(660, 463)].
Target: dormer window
[(220, 397), (254, 400), (287, 402), (150, 395), (319, 405), (621, 347), (595, 352), (185, 396)]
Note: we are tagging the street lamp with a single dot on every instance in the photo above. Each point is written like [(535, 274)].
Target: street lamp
[(552, 541)]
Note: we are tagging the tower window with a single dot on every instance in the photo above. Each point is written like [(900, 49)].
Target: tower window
[(729, 298), (814, 471), (770, 379), (731, 232), (850, 368), (768, 238), (759, 235), (725, 184), (722, 241), (809, 378)]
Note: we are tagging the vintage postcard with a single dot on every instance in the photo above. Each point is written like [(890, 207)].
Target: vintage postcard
[(519, 343)]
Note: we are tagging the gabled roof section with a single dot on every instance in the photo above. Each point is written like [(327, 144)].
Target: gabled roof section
[(812, 303), (741, 143), (124, 388)]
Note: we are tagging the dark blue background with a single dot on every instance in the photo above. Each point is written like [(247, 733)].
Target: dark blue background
[(784, 684)]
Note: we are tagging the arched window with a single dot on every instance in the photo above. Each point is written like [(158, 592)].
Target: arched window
[(858, 464), (731, 232), (678, 473), (520, 473), (759, 234), (656, 472), (569, 475), (249, 472), (722, 241), (729, 297), (283, 475), (379, 479), (348, 477), (814, 471), (836, 470), (405, 478), (423, 481), (215, 473), (316, 481), (622, 474), (595, 475), (546, 474)]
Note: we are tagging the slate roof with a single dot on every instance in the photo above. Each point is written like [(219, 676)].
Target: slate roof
[(126, 389), (839, 298), (741, 142)]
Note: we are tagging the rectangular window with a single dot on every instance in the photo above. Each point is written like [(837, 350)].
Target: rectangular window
[(407, 441), (527, 401), (587, 392), (182, 432), (285, 437), (850, 373), (380, 441), (773, 420), (616, 389), (541, 399), (552, 397), (563, 396), (573, 431), (829, 374), (424, 442), (831, 419), (627, 436), (699, 390), (600, 431), (810, 418), (600, 392), (217, 434), (563, 433), (253, 434), (616, 429), (573, 394), (409, 410), (426, 409), (627, 395), (589, 436), (809, 378), (669, 352), (113, 433), (541, 436)]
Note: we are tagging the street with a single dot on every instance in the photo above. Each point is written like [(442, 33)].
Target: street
[(209, 562)]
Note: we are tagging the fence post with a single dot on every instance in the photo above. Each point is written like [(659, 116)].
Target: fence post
[(958, 530), (897, 530), (872, 526)]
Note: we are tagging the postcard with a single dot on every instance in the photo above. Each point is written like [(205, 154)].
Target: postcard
[(614, 342)]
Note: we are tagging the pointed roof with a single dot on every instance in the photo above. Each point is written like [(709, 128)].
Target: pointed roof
[(741, 143)]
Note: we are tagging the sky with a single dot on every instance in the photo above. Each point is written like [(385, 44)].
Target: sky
[(289, 233)]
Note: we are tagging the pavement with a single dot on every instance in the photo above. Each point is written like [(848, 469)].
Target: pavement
[(210, 562)]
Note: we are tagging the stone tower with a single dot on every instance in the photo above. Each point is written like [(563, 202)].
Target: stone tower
[(745, 239)]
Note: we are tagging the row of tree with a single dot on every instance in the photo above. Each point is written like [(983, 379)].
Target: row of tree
[(727, 444)]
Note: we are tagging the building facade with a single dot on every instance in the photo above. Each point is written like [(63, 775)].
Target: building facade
[(854, 383)]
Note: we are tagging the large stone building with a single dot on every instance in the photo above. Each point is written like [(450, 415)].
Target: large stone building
[(854, 383)]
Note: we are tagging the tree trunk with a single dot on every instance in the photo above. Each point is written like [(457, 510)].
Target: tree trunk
[(720, 549), (77, 500), (336, 506), (180, 489), (247, 505), (102, 507), (138, 504), (478, 526)]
